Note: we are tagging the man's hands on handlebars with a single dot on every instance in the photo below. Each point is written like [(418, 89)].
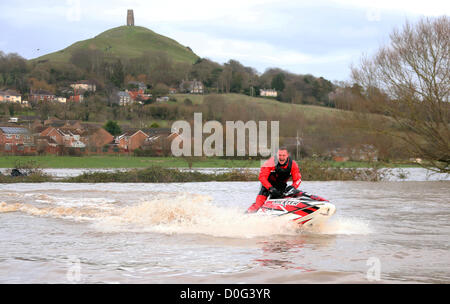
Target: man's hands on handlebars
[(290, 190), (274, 192)]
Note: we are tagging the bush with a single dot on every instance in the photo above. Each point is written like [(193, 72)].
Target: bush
[(160, 175)]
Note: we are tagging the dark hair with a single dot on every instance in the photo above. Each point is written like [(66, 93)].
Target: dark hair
[(283, 148)]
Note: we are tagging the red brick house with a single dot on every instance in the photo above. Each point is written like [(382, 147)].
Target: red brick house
[(159, 141), (88, 138), (16, 140), (65, 137), (76, 98), (131, 140), (45, 144), (138, 95)]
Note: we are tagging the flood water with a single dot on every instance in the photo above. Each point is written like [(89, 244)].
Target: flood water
[(388, 232)]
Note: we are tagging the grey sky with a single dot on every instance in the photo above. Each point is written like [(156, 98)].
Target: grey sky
[(321, 37)]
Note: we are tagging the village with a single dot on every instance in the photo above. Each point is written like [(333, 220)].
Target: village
[(29, 135), (75, 138), (138, 93), (32, 136)]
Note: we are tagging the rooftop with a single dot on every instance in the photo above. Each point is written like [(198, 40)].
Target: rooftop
[(9, 92), (14, 130)]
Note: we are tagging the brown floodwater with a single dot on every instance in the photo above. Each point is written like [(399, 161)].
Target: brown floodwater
[(386, 232)]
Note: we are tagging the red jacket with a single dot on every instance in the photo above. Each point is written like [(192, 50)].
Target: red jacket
[(270, 166)]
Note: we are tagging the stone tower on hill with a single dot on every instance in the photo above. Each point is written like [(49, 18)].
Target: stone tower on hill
[(130, 18)]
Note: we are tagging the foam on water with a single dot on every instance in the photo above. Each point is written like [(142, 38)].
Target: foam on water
[(192, 214), (176, 214), (347, 226)]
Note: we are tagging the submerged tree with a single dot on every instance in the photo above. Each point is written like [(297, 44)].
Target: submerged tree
[(413, 72)]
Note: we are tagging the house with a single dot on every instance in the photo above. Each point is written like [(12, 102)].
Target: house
[(10, 96), (124, 98), (131, 140), (66, 137), (192, 87), (45, 144), (90, 137), (76, 98), (61, 99), (159, 141), (268, 93), (138, 95), (41, 95), (84, 86), (53, 134), (16, 140)]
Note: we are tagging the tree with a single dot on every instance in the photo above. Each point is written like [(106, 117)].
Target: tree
[(409, 80), (278, 82), (113, 128), (13, 69), (160, 90), (225, 79), (117, 76)]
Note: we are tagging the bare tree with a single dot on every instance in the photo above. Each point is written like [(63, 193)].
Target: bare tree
[(413, 73)]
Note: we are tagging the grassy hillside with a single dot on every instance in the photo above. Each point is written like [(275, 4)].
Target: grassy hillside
[(268, 104), (126, 42)]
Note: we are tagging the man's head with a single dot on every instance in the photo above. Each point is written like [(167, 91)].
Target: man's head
[(283, 156)]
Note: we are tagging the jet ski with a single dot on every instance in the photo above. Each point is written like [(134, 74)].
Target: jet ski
[(305, 209)]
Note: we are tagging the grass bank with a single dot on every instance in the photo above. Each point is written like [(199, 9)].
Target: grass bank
[(311, 171), (161, 175)]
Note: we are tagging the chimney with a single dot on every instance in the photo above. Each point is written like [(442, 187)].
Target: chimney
[(130, 18)]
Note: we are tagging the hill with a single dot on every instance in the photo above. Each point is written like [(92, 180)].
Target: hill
[(126, 42)]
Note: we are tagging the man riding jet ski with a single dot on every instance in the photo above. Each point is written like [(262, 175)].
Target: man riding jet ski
[(276, 199), (274, 175)]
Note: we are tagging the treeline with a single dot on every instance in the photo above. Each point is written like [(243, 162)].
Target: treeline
[(156, 70)]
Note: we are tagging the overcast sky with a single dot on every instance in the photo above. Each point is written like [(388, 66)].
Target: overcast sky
[(319, 37)]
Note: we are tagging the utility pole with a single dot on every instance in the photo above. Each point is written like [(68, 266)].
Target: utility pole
[(298, 142)]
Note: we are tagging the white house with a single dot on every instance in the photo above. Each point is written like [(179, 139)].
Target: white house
[(10, 96), (192, 87), (84, 85), (124, 98), (61, 99), (268, 93)]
